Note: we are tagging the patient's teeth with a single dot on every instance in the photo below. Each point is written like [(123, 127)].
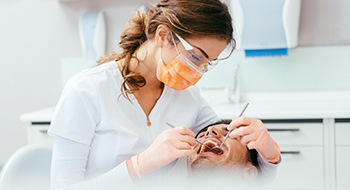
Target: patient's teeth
[(207, 146)]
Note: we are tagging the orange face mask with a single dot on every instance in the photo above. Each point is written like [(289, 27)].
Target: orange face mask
[(177, 75)]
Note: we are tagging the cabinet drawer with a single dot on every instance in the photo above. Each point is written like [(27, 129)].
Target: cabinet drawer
[(296, 133), (301, 168), (342, 132), (38, 134), (342, 168)]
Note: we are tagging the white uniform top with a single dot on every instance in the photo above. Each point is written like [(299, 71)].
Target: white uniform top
[(103, 129)]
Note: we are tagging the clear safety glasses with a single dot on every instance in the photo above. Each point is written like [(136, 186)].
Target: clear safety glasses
[(194, 57)]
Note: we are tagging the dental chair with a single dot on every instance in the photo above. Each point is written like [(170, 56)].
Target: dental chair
[(27, 169)]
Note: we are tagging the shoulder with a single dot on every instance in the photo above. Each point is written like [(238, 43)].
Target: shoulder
[(94, 78), (100, 72)]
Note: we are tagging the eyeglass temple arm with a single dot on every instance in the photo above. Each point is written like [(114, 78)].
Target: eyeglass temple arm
[(184, 43)]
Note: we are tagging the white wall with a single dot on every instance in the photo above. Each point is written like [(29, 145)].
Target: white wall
[(321, 68), (34, 36)]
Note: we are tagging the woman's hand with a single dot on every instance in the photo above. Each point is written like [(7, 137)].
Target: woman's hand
[(253, 134), (168, 146)]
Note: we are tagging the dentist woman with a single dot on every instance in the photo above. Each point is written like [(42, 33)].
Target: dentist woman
[(109, 126)]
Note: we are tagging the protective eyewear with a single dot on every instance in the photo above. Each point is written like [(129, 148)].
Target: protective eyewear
[(194, 57)]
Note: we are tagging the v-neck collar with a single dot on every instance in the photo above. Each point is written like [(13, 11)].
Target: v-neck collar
[(157, 105), (139, 113)]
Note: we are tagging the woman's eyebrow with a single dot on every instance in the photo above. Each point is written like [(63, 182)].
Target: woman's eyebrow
[(203, 52)]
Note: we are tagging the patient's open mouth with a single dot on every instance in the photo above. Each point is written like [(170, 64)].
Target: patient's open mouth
[(210, 146)]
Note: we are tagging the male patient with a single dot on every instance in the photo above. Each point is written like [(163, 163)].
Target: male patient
[(235, 162)]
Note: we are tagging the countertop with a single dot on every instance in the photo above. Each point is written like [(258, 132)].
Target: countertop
[(292, 105)]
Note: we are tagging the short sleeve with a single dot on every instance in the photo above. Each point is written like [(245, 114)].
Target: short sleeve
[(76, 115)]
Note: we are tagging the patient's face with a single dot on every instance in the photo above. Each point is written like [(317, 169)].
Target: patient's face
[(235, 155), (209, 168)]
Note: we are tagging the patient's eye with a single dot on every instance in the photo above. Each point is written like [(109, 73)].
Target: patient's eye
[(200, 135), (224, 130)]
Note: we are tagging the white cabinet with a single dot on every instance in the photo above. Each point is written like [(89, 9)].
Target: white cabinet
[(342, 143), (37, 133), (301, 144), (38, 123)]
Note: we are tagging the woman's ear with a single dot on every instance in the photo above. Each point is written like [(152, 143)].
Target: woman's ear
[(250, 172), (161, 35)]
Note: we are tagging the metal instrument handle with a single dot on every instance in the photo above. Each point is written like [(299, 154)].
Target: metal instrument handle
[(291, 152)]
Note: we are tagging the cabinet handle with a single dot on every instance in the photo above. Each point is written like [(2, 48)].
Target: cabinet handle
[(290, 152), (43, 131), (284, 130)]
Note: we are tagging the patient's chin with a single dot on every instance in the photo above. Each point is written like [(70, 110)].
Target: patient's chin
[(206, 173), (206, 170), (207, 177), (203, 164)]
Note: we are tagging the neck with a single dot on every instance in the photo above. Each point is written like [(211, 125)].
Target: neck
[(146, 65), (148, 55)]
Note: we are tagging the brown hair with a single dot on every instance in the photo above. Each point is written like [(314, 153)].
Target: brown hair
[(186, 18)]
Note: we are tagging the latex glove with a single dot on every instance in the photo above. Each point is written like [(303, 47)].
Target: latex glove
[(253, 134), (167, 147)]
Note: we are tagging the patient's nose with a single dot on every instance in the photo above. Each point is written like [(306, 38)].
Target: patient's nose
[(212, 132)]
